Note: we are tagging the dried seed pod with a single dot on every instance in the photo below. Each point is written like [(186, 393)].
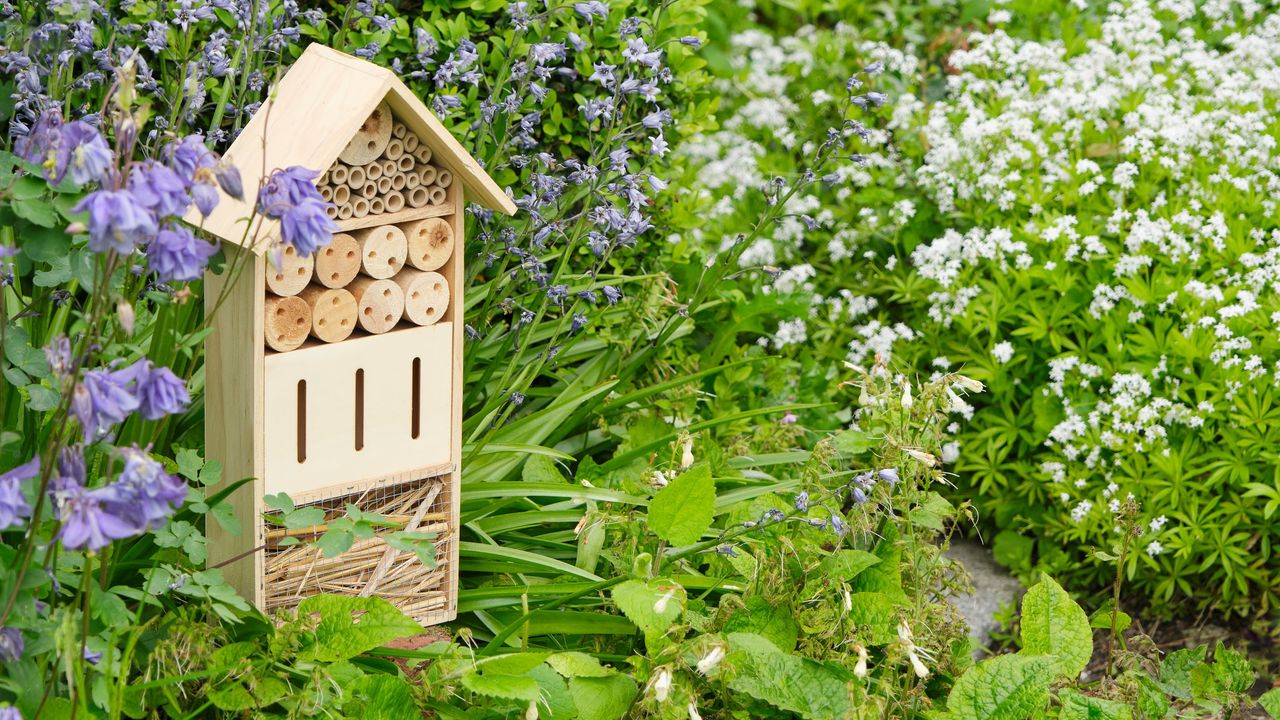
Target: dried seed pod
[(339, 262), (426, 296), (371, 139), (293, 274), (382, 250), (286, 322), (380, 303), (333, 312), (429, 242)]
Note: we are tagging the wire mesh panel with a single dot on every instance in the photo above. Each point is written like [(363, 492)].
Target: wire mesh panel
[(371, 567)]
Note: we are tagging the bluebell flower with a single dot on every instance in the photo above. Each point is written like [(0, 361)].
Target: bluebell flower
[(157, 38), (858, 495), (802, 501), (144, 492), (637, 51), (368, 52), (656, 120), (188, 12), (116, 221), (590, 10), (838, 525), (579, 321), (13, 504), (542, 53), (517, 398), (159, 392), (658, 146), (692, 41), (424, 42), (58, 353), (307, 227), (159, 189), (12, 646), (612, 294), (889, 475), (92, 657), (577, 42), (176, 254), (8, 712)]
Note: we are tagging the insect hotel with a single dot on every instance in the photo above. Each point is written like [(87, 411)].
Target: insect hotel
[(337, 378)]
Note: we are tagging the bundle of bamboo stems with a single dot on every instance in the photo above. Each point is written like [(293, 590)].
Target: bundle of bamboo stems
[(401, 176), (370, 566)]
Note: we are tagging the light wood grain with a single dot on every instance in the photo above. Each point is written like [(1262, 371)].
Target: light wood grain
[(382, 250), (430, 242), (293, 274), (286, 321), (426, 295), (394, 218), (380, 303), (333, 312), (370, 140)]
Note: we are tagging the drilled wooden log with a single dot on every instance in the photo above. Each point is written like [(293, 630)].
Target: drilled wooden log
[(286, 322), (426, 296), (429, 243), (333, 312), (371, 139), (339, 262), (382, 250), (380, 303), (293, 274)]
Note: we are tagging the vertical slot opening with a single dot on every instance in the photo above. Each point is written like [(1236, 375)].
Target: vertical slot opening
[(416, 404), (302, 421), (360, 409)]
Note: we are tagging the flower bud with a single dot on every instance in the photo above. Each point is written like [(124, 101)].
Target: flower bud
[(711, 660), (693, 711), (925, 458), (125, 312), (860, 668), (907, 400), (686, 453), (661, 684), (969, 384)]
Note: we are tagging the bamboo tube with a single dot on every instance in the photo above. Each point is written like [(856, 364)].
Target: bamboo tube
[(371, 139), (398, 130), (333, 312), (418, 197), (405, 163), (344, 211), (438, 195), (382, 250), (426, 296), (390, 167), (377, 206), (411, 180), (380, 303), (427, 174), (384, 185), (410, 142), (293, 274), (341, 194), (444, 178), (338, 174), (339, 262), (355, 177), (372, 171), (422, 154), (326, 193), (323, 179), (332, 212), (394, 150), (394, 201), (359, 207), (286, 322), (370, 189), (429, 243), (398, 180)]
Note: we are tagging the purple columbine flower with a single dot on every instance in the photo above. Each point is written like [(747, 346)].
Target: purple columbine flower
[(286, 189), (205, 196), (9, 712), (306, 227), (159, 391), (116, 221), (144, 492), (228, 177), (177, 254), (13, 504), (160, 189), (87, 524), (189, 155), (103, 399), (11, 647), (83, 153)]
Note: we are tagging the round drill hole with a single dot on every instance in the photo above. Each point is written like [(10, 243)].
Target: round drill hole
[(431, 311), (328, 252), (368, 312), (288, 250), (336, 300), (320, 322), (373, 254), (415, 295), (351, 254), (299, 322), (391, 261), (279, 277), (333, 276), (343, 322), (372, 145), (302, 271), (279, 311), (436, 287), (386, 293), (387, 318)]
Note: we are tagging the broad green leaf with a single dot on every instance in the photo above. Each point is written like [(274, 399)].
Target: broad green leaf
[(189, 463), (303, 518), (540, 468), (1053, 624), (577, 664), (249, 692), (555, 702), (1152, 702), (513, 663), (385, 697), (1077, 706), (350, 625), (335, 542), (886, 575), (788, 682), (774, 622), (602, 698), (653, 606), (853, 442), (1232, 669), (42, 399), (279, 501), (844, 565), (1008, 687), (516, 687), (1270, 701), (875, 614), (1175, 671), (683, 510)]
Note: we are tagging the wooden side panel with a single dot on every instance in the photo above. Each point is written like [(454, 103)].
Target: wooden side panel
[(233, 414), (343, 413)]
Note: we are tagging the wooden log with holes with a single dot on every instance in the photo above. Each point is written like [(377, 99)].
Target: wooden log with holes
[(286, 322), (371, 138), (293, 274), (379, 303), (333, 312), (426, 295), (339, 262), (429, 243), (382, 250)]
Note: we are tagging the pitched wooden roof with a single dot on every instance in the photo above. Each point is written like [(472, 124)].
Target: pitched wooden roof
[(311, 115)]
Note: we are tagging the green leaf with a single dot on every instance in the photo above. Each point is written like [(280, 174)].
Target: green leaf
[(42, 399), (189, 463), (683, 510), (513, 663), (653, 606), (1232, 669), (279, 501), (1078, 706), (773, 621), (602, 698), (1270, 701), (45, 245), (516, 687), (540, 468), (249, 692), (303, 518), (844, 565), (787, 682), (1008, 687), (36, 211), (26, 358), (853, 442), (385, 697), (350, 625), (1152, 702), (876, 615), (335, 542), (1175, 671), (1053, 624), (577, 664), (1013, 550)]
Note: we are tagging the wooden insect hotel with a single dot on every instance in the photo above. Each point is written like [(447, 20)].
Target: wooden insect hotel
[(338, 378)]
